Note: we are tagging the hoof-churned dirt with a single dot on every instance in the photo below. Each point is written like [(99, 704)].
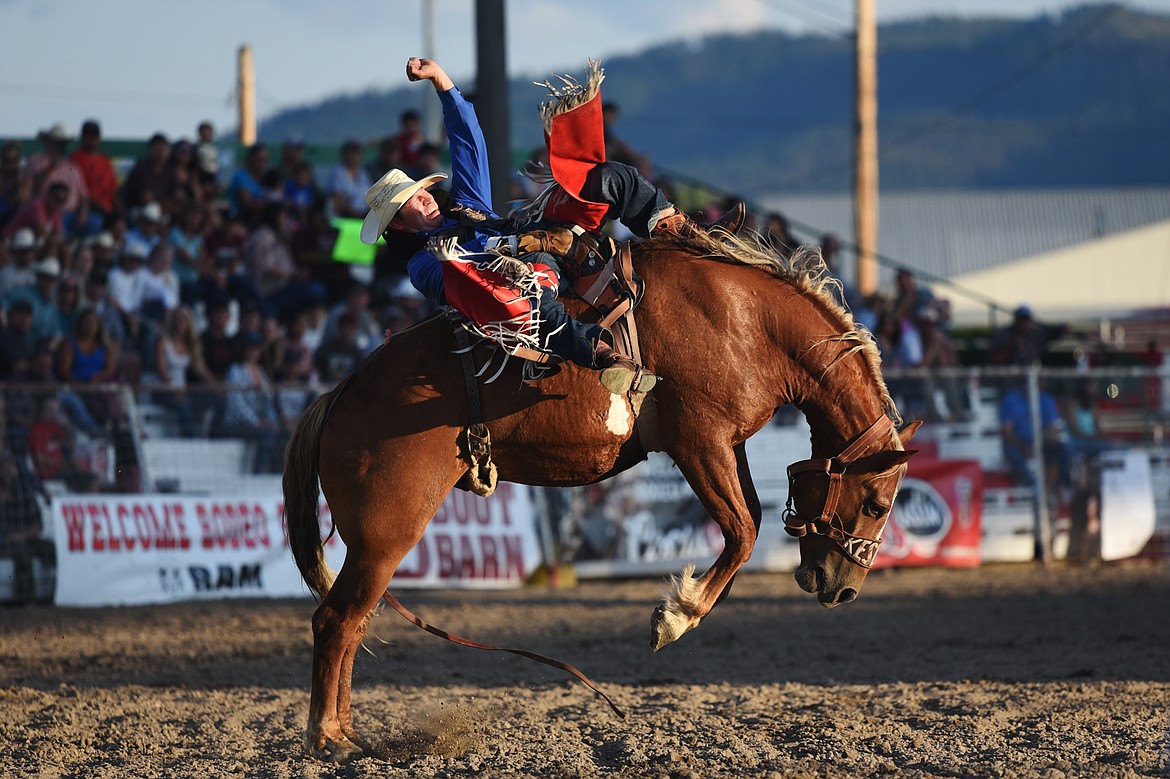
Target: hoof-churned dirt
[(1001, 671)]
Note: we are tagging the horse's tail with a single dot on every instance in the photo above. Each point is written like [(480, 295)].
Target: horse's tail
[(301, 459)]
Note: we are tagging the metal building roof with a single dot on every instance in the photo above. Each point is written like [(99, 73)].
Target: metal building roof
[(955, 233)]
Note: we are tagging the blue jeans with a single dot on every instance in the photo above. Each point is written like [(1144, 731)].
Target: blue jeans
[(561, 334), (75, 408), (631, 198)]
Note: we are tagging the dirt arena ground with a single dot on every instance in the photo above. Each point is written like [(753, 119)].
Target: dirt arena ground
[(1001, 671)]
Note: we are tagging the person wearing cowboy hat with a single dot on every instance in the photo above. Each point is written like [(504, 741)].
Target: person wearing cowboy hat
[(149, 221), (19, 270), (51, 166), (42, 296), (406, 213)]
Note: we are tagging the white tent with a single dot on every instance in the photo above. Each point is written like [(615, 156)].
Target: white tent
[(1103, 278)]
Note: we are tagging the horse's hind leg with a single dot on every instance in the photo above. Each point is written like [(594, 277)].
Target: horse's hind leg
[(722, 483), (338, 627), (376, 545)]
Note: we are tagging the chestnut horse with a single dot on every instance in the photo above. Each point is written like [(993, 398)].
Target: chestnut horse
[(732, 330)]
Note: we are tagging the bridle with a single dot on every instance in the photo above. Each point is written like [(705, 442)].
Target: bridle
[(859, 549)]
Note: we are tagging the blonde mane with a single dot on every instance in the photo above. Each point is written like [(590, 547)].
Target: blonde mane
[(805, 270)]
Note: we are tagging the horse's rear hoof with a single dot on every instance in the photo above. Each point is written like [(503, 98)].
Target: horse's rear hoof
[(340, 750)]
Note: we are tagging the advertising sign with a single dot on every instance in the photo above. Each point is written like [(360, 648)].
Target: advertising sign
[(645, 520), (937, 518), (137, 549)]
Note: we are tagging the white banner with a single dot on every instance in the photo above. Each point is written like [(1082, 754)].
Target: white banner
[(1127, 503), (138, 549)]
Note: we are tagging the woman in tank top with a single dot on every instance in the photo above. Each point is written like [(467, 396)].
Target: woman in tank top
[(88, 357), (177, 354)]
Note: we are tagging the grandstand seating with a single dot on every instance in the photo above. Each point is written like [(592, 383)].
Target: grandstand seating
[(198, 466)]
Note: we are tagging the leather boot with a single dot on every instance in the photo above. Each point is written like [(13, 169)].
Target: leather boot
[(678, 223), (733, 219), (620, 374)]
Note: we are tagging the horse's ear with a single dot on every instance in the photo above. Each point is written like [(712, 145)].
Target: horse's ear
[(883, 461), (907, 432)]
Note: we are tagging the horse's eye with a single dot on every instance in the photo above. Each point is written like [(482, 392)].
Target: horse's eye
[(875, 509)]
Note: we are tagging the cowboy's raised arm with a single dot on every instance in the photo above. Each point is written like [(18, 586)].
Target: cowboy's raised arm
[(419, 69), (470, 176)]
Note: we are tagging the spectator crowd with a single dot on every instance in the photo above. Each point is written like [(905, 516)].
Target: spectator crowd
[(185, 275), (168, 281)]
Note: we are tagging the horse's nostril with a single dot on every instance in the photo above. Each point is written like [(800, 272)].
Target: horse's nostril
[(809, 579), (846, 595)]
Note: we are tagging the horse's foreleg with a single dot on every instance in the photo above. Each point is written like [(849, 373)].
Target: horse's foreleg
[(748, 487), (723, 484)]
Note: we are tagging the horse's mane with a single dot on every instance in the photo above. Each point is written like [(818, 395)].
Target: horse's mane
[(805, 270)]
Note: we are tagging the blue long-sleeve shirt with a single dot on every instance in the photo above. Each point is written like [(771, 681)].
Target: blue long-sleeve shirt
[(470, 186)]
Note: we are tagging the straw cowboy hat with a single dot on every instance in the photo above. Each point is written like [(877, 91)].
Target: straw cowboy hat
[(56, 133), (387, 196)]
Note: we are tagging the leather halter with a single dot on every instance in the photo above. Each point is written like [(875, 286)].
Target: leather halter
[(859, 549)]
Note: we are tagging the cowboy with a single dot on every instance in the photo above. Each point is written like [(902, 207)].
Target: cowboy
[(407, 213)]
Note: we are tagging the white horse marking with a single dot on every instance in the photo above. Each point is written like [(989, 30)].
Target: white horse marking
[(619, 421)]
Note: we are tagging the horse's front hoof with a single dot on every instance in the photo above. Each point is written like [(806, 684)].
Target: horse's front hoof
[(665, 627), (338, 750)]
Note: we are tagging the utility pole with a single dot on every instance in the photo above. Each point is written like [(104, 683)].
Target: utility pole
[(491, 96), (431, 117), (246, 92), (865, 178)]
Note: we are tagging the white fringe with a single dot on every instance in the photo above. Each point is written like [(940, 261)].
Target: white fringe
[(509, 334)]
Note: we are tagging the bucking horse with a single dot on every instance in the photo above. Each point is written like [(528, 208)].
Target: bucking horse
[(733, 331)]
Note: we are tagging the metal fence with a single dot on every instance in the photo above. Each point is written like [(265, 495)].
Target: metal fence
[(997, 415), (222, 441)]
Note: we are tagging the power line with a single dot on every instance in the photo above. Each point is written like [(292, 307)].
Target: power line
[(977, 100), (104, 94), (995, 90), (819, 26), (845, 23)]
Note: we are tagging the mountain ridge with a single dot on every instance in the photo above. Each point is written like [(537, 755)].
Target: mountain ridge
[(1075, 99)]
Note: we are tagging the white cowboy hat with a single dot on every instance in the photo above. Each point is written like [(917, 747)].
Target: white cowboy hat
[(387, 196), (152, 212), (104, 239), (50, 266), (24, 239)]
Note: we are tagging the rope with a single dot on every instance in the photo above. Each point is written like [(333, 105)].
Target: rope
[(405, 612)]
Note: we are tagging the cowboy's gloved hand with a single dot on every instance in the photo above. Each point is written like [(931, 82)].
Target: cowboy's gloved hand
[(558, 241)]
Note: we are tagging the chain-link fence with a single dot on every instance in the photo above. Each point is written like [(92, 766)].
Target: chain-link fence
[(1045, 440)]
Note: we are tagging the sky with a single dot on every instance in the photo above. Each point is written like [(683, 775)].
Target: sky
[(141, 66)]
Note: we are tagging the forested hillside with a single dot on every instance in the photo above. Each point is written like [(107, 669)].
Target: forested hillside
[(1079, 99)]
